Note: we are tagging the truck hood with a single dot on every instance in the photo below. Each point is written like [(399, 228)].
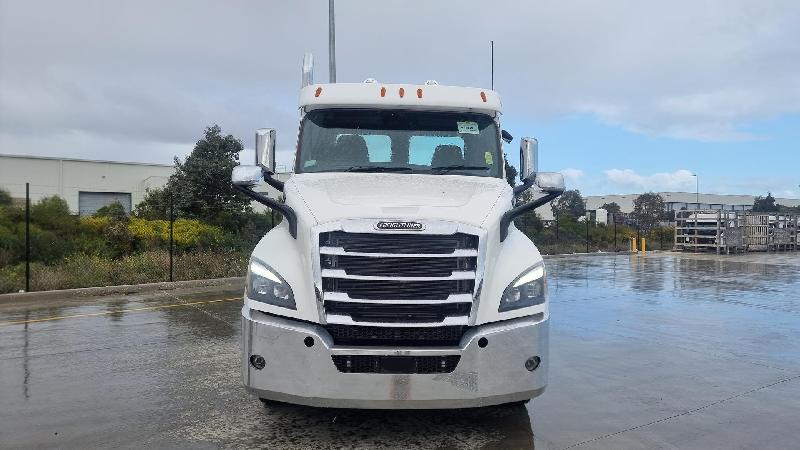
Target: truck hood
[(335, 196)]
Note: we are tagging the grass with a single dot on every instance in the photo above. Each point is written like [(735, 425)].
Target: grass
[(82, 270)]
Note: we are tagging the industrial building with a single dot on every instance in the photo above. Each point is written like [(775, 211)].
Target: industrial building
[(676, 201), (86, 185)]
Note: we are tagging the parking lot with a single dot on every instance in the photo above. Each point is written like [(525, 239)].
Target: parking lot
[(656, 351)]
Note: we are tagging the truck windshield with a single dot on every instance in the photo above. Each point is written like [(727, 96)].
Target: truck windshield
[(345, 140)]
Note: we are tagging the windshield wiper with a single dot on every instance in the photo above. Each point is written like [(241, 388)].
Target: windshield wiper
[(377, 169), (443, 169)]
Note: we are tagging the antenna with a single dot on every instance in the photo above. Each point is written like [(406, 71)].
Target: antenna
[(492, 62), (331, 43)]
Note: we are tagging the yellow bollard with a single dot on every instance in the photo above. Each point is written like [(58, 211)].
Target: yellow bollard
[(633, 245), (644, 246)]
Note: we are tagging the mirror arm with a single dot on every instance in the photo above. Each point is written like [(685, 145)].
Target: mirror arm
[(283, 209), (274, 182), (526, 184), (513, 213)]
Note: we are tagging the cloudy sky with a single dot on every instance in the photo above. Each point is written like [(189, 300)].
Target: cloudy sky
[(624, 96)]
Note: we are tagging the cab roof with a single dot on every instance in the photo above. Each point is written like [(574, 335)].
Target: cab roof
[(404, 96)]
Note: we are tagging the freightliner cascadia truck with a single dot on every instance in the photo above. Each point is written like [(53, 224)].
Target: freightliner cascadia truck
[(396, 278)]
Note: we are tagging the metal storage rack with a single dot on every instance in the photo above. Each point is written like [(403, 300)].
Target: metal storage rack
[(729, 231), (698, 230)]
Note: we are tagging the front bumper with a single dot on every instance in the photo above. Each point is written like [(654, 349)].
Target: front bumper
[(296, 373)]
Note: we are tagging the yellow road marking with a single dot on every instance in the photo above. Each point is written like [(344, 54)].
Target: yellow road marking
[(105, 313)]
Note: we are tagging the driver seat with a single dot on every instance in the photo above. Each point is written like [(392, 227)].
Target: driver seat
[(447, 155)]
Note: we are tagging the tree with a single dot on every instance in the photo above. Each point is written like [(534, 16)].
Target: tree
[(765, 204), (529, 223), (155, 205), (611, 208), (201, 186), (5, 198), (569, 204), (511, 172), (648, 210)]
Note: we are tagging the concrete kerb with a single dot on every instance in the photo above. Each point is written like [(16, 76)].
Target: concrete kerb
[(121, 289)]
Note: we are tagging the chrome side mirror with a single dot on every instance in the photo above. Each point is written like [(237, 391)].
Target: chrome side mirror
[(265, 149), (550, 182), (246, 176), (528, 157)]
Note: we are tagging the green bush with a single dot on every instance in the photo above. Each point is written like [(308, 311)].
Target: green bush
[(5, 198)]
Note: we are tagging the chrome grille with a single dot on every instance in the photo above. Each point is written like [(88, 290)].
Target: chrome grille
[(403, 290), (398, 243), (396, 336), (398, 279), (401, 267)]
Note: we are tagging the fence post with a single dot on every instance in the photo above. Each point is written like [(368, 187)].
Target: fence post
[(171, 225), (587, 231), (27, 237)]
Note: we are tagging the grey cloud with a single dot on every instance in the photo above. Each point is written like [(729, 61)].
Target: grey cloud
[(154, 74)]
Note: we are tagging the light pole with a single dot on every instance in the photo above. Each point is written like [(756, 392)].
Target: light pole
[(697, 190)]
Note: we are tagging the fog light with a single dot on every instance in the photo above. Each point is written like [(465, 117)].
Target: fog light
[(532, 363), (258, 362)]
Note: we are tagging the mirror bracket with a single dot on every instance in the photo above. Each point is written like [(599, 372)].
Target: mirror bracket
[(509, 216), (527, 183), (285, 210), (274, 182)]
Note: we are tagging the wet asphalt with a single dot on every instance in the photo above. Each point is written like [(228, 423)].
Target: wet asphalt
[(656, 351)]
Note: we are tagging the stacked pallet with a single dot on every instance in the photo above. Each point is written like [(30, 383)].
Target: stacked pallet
[(757, 232), (729, 231), (699, 230)]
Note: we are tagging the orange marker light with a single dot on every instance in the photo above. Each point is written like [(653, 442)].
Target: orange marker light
[(319, 91), (402, 92), (419, 93), (383, 92), (483, 96)]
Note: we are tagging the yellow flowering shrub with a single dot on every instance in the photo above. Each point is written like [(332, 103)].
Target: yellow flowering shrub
[(185, 232), (95, 224)]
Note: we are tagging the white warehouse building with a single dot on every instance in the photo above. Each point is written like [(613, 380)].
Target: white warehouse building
[(86, 185), (675, 201)]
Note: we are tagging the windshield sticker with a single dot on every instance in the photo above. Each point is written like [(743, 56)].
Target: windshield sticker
[(310, 163), (468, 127), (488, 158)]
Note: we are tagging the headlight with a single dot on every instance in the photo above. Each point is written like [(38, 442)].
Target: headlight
[(265, 285), (528, 289)]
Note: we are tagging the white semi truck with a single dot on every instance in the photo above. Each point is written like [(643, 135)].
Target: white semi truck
[(396, 278)]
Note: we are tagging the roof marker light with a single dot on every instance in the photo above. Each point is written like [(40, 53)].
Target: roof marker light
[(483, 96), (419, 93), (402, 92), (318, 91), (383, 91)]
